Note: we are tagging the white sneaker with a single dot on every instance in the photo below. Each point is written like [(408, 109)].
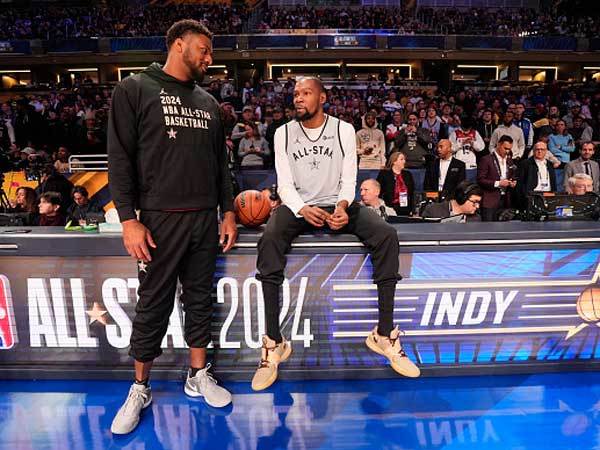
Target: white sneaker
[(128, 416), (204, 385)]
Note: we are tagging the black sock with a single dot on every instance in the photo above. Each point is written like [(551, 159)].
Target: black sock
[(143, 382), (194, 370), (271, 295), (385, 296)]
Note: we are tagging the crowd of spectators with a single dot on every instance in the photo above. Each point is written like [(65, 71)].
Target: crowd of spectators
[(55, 202), (507, 22), (127, 20), (533, 131), (424, 125), (475, 21), (38, 130), (558, 18), (117, 20), (303, 17)]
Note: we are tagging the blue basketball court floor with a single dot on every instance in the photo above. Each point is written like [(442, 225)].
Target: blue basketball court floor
[(524, 412)]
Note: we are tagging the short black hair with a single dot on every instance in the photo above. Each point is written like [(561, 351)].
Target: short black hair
[(316, 80), (467, 122), (465, 190), (181, 28), (505, 138), (51, 197), (81, 191)]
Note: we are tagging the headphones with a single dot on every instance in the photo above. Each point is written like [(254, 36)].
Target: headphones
[(464, 191)]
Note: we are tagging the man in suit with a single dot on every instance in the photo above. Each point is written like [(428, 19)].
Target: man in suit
[(445, 172), (495, 175), (536, 174), (584, 164)]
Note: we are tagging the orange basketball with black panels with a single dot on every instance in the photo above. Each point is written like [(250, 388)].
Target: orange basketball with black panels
[(252, 208)]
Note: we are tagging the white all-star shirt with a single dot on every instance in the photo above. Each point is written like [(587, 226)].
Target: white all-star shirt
[(315, 166)]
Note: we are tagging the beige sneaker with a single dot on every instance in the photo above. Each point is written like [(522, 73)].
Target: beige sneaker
[(390, 348), (272, 354)]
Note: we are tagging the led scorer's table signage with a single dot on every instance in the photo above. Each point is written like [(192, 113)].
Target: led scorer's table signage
[(457, 310)]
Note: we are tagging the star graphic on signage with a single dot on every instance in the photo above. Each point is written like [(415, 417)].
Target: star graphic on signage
[(172, 133), (96, 314), (142, 266), (314, 164)]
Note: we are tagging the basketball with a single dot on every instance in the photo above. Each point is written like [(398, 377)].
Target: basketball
[(252, 208), (588, 304)]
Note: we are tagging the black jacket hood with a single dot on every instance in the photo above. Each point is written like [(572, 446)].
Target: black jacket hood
[(155, 70)]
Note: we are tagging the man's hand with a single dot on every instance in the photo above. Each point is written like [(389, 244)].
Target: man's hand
[(137, 238), (228, 231), (505, 183), (556, 165), (314, 215), (339, 218)]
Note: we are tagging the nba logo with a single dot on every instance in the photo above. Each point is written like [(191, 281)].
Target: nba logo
[(8, 332)]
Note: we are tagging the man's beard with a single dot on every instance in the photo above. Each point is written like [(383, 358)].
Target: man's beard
[(304, 117), (197, 74)]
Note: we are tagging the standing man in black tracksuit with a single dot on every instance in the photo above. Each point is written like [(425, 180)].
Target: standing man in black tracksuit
[(167, 158)]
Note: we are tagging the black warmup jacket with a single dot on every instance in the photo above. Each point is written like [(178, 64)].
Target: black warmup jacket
[(166, 146)]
